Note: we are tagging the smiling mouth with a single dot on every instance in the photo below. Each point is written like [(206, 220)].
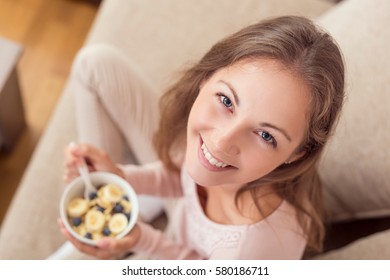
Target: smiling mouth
[(213, 161)]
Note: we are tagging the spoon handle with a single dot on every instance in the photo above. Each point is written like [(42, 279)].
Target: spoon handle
[(83, 170)]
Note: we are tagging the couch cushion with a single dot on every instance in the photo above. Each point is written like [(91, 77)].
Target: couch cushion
[(164, 36), (373, 247), (356, 165)]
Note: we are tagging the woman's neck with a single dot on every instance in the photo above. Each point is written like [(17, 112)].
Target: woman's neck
[(221, 205)]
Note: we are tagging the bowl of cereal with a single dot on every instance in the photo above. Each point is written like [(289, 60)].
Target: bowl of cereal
[(111, 211)]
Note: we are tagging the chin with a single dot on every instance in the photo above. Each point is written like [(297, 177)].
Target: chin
[(195, 173), (198, 175), (203, 178)]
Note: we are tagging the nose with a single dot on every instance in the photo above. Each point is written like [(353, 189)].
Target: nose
[(226, 140)]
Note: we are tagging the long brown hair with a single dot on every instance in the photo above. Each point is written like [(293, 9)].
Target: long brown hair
[(307, 51)]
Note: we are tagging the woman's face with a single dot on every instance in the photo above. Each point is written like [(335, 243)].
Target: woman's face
[(248, 119)]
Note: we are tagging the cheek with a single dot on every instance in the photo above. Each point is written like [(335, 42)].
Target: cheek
[(259, 160), (202, 115)]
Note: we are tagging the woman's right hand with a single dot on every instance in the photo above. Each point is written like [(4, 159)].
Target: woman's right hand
[(96, 159)]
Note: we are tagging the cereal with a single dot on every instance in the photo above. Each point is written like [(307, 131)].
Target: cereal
[(104, 213)]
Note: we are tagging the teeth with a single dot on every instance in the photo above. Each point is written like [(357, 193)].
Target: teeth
[(210, 158)]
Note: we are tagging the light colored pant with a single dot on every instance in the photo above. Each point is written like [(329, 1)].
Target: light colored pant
[(117, 110)]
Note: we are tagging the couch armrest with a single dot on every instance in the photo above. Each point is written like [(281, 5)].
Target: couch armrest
[(29, 230)]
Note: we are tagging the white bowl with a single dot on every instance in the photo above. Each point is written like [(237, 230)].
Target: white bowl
[(76, 189)]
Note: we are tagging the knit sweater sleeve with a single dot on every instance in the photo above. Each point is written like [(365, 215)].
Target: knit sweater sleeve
[(153, 179), (155, 244)]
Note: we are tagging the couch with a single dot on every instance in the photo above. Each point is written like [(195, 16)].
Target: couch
[(162, 36)]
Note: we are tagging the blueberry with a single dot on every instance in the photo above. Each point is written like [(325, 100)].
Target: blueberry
[(76, 221), (118, 208), (106, 232), (92, 195), (128, 215), (88, 235), (125, 197), (101, 209)]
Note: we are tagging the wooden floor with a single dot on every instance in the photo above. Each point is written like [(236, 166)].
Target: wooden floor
[(51, 32)]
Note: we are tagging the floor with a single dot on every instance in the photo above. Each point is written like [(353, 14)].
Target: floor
[(51, 32)]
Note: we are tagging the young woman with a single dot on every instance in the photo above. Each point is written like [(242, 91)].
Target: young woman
[(238, 142)]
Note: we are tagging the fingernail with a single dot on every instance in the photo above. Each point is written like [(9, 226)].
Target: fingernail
[(72, 144), (74, 147)]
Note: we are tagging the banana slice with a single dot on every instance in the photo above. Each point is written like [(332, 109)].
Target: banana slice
[(103, 203), (94, 221), (117, 223), (77, 207), (111, 193), (126, 205)]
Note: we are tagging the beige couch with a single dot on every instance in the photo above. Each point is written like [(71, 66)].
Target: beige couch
[(161, 36)]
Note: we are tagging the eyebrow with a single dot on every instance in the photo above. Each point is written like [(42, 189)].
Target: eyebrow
[(264, 124), (276, 128), (236, 99)]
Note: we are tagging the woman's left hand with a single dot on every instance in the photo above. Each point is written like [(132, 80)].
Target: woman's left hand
[(107, 247)]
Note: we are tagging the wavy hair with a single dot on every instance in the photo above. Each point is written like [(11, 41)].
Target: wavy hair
[(306, 51)]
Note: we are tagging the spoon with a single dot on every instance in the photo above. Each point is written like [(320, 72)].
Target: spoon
[(83, 170)]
